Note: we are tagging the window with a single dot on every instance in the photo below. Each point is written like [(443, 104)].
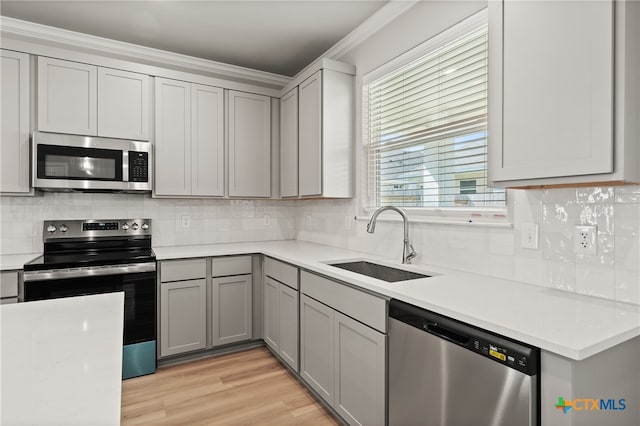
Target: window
[(426, 125)]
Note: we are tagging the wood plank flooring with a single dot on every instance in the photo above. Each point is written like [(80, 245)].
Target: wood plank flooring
[(247, 388)]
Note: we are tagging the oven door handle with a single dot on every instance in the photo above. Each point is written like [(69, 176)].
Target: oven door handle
[(91, 271)]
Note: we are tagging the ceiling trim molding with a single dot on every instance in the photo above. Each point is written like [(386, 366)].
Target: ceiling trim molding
[(44, 34), (372, 25)]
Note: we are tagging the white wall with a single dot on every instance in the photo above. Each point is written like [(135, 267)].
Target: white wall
[(612, 274), (212, 221)]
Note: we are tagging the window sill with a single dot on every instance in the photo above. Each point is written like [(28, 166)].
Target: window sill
[(486, 218)]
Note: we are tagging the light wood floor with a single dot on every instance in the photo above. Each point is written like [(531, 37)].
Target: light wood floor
[(247, 388)]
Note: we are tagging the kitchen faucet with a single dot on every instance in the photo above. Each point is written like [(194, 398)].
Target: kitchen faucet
[(407, 250)]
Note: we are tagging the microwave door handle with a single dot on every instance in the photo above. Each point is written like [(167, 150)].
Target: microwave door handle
[(125, 166)]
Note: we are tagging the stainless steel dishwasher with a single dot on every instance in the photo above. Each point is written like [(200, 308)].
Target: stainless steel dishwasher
[(444, 372)]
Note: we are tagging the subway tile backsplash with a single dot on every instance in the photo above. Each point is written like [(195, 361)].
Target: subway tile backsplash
[(612, 273), (211, 221)]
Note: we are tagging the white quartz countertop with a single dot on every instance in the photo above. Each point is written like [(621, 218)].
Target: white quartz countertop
[(9, 262), (61, 361), (568, 324)]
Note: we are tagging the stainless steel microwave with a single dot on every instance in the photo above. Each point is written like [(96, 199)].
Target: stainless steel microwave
[(64, 162)]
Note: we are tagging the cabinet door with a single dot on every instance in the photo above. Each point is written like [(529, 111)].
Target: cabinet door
[(231, 316), (289, 325), (555, 118), (271, 313), (317, 347), (207, 140), (249, 145), (289, 144), (123, 104), (183, 316), (14, 149), (359, 372), (173, 137), (67, 97), (310, 135)]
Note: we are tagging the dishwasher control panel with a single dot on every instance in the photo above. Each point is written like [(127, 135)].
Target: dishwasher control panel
[(516, 356), (508, 352)]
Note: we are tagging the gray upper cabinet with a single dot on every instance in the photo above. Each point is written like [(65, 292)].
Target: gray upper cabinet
[(310, 116), (123, 104), (189, 146), (173, 137), (289, 144), (207, 140), (14, 150), (249, 134), (555, 115), (326, 135), (85, 99), (67, 97)]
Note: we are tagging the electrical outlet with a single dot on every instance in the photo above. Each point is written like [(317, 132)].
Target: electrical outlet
[(186, 221), (529, 236), (308, 220), (586, 239), (267, 220)]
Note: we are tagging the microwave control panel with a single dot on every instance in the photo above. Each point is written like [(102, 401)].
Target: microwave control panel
[(138, 166)]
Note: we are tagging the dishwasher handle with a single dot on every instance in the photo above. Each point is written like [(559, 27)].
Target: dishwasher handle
[(447, 334)]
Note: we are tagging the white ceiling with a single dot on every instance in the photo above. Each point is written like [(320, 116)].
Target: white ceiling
[(281, 37)]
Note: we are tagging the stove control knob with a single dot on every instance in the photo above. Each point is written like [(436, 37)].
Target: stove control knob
[(145, 226), (125, 227), (135, 226), (63, 228), (51, 229)]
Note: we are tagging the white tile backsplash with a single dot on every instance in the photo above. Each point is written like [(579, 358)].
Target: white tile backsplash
[(613, 273), (212, 221)]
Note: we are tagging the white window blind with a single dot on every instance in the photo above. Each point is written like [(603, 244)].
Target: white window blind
[(427, 128)]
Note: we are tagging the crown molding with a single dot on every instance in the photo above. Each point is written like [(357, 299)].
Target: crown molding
[(372, 25), (43, 34)]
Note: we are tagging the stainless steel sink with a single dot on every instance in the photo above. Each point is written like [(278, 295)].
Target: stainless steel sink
[(381, 272)]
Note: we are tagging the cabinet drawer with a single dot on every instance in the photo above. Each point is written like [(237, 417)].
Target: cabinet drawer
[(178, 270), (8, 284), (225, 266), (364, 307), (281, 271)]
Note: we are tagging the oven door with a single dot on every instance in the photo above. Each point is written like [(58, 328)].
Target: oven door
[(138, 282)]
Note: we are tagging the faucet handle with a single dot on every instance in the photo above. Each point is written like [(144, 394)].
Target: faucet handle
[(412, 253)]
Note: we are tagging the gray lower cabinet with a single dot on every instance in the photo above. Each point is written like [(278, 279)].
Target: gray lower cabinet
[(280, 320), (183, 316), (231, 309), (359, 373), (271, 313), (280, 310), (289, 302), (317, 347), (344, 359)]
